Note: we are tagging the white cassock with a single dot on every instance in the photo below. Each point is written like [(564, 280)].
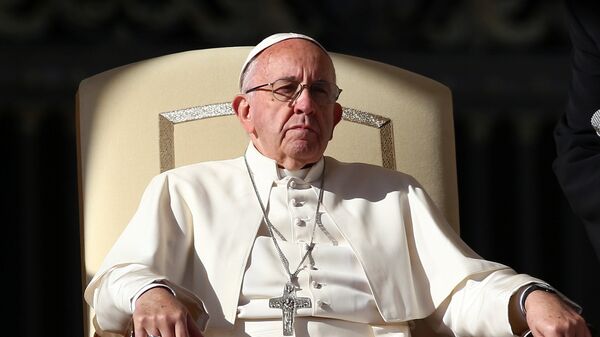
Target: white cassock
[(384, 256)]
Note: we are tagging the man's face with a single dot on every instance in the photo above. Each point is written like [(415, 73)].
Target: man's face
[(292, 133)]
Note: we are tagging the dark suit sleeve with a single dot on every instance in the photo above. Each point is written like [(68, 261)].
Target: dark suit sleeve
[(577, 165)]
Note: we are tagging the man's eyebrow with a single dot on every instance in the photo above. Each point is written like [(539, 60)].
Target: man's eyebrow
[(294, 78)]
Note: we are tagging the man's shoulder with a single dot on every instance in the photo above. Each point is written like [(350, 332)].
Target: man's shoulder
[(373, 175), (208, 169)]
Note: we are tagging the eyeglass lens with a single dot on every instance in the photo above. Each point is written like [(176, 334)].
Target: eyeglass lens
[(321, 92)]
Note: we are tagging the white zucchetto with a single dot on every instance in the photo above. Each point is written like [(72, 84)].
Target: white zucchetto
[(271, 40)]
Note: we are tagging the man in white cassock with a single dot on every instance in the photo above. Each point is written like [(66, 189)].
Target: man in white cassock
[(284, 241)]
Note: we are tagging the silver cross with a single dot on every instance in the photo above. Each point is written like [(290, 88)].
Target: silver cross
[(288, 303)]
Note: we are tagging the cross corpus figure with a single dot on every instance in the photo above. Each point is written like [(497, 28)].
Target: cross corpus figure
[(288, 303)]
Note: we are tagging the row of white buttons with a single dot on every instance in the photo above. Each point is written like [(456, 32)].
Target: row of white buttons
[(320, 302)]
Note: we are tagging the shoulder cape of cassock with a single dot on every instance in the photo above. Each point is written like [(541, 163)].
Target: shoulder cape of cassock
[(196, 225)]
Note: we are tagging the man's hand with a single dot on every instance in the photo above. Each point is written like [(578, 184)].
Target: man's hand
[(549, 316), (159, 313)]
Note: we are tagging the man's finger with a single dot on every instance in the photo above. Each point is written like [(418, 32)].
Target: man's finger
[(181, 329), (192, 328), (138, 331)]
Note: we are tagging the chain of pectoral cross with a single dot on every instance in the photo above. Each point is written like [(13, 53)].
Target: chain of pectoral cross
[(272, 228), (288, 302)]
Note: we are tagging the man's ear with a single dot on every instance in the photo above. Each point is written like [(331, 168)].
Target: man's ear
[(337, 113), (241, 107), (337, 117)]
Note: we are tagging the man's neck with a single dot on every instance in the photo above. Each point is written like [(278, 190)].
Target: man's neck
[(300, 173)]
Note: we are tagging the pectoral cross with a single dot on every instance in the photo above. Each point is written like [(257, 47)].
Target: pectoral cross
[(288, 303)]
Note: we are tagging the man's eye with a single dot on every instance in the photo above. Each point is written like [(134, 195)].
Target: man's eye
[(319, 90), (286, 89)]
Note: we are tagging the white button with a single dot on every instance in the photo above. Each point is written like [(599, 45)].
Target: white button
[(292, 183), (299, 222), (322, 303), (316, 285), (296, 203)]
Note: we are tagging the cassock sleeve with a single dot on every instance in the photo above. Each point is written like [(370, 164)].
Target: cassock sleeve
[(155, 246), (479, 301), (479, 306)]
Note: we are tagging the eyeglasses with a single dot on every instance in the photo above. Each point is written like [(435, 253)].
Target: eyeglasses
[(285, 90)]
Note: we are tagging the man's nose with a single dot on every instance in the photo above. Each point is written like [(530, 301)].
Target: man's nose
[(303, 103)]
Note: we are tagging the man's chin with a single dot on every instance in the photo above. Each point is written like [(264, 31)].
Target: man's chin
[(304, 152)]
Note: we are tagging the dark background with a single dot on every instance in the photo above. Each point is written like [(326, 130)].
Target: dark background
[(507, 63)]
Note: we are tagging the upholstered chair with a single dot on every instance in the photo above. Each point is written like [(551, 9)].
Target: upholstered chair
[(140, 119)]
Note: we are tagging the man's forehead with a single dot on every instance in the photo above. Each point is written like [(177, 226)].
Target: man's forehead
[(293, 59)]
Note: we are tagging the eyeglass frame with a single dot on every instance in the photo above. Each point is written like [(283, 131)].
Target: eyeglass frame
[(298, 93)]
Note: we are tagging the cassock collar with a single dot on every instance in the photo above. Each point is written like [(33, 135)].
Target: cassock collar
[(265, 168)]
